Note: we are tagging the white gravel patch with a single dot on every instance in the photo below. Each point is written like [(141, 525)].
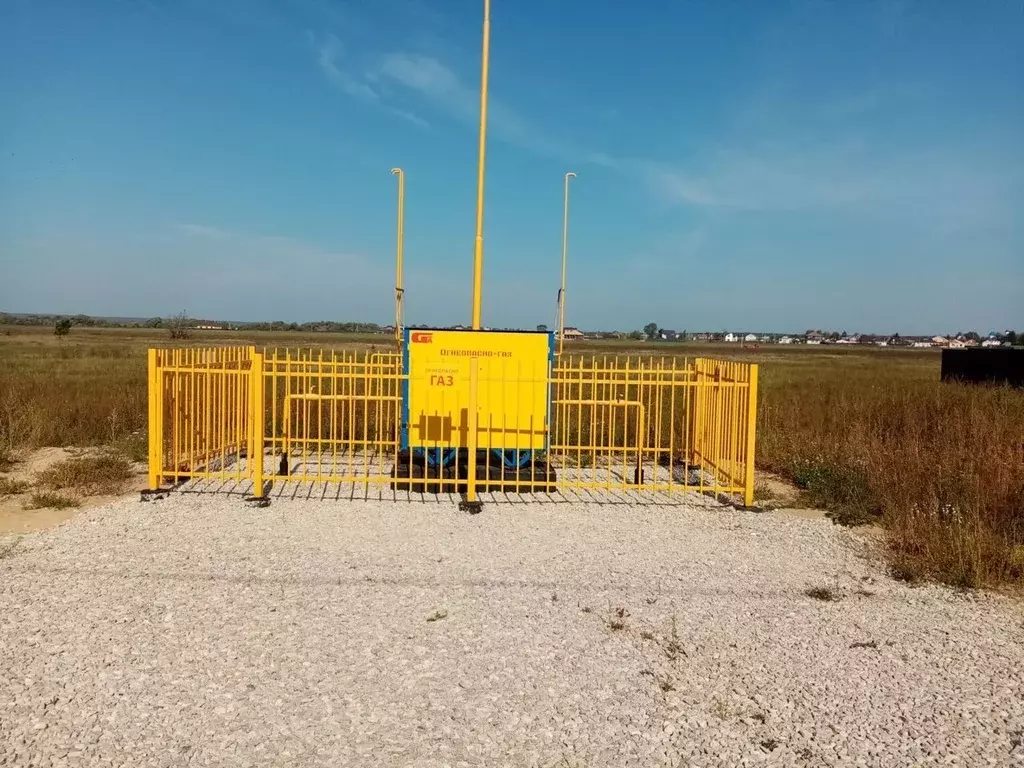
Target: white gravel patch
[(198, 631)]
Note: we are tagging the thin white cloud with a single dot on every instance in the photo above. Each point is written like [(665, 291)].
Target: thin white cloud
[(312, 280), (294, 254), (439, 84), (328, 54), (941, 186)]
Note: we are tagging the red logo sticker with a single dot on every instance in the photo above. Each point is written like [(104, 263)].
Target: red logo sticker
[(422, 338)]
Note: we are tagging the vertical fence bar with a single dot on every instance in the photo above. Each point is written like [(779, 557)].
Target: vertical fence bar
[(748, 489)]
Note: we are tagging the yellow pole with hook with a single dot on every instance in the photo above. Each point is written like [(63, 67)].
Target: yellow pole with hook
[(478, 250), (399, 290), (565, 242)]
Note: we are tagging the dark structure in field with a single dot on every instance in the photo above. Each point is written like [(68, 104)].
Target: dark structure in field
[(1004, 365)]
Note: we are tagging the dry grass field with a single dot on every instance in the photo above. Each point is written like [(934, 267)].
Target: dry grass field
[(869, 434)]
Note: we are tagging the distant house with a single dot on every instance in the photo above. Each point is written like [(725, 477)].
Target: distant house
[(955, 344), (750, 337), (209, 327), (991, 343), (786, 340), (664, 334), (766, 339), (812, 336), (572, 334), (731, 337), (940, 341), (921, 344)]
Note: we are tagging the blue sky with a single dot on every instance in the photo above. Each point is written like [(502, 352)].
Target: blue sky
[(742, 165)]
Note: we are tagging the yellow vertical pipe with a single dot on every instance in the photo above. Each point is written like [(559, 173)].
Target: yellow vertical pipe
[(257, 425), (748, 484), (399, 289), (154, 426), (478, 250), (565, 243)]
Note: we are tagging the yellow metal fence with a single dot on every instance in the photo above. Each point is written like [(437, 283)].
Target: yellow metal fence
[(615, 423)]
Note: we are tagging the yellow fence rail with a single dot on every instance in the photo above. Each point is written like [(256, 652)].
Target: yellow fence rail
[(615, 423)]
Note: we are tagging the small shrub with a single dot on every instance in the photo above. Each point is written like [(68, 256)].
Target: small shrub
[(769, 745), (6, 460), (437, 616), (763, 492), (825, 594), (843, 491), (587, 609), (646, 635), (103, 473), (9, 486), (134, 447), (666, 685), (48, 500), (904, 572), (179, 327), (62, 327)]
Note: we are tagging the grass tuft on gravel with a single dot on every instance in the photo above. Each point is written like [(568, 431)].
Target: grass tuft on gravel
[(49, 500), (825, 594), (104, 473), (864, 644), (437, 616), (673, 648), (8, 546)]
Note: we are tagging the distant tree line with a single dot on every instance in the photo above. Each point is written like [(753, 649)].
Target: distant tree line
[(66, 322), (181, 325)]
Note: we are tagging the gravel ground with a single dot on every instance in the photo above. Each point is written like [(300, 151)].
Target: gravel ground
[(198, 631)]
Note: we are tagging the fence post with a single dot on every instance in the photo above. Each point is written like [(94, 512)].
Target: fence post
[(748, 484), (256, 425), (155, 422), (699, 401)]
